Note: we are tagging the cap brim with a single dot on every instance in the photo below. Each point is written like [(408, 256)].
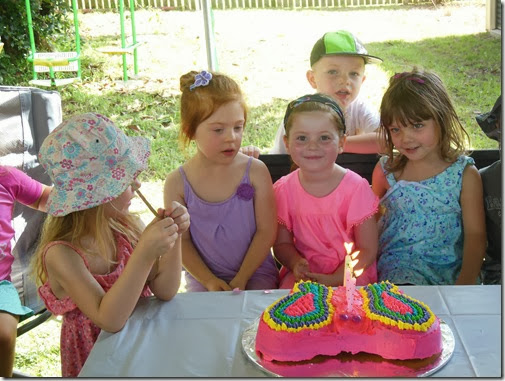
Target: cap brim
[(368, 58)]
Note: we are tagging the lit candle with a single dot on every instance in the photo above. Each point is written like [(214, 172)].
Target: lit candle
[(349, 279)]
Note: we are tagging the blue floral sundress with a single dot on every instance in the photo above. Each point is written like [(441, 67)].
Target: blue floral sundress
[(421, 232)]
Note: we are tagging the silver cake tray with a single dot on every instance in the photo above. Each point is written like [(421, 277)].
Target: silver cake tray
[(348, 365)]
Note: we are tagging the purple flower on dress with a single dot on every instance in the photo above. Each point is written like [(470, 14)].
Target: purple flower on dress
[(245, 192)]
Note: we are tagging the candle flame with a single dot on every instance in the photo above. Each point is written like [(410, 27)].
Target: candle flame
[(348, 247), (357, 273), (354, 255), (354, 263)]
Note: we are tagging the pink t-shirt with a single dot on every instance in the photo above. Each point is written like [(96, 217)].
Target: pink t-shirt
[(15, 185), (321, 225)]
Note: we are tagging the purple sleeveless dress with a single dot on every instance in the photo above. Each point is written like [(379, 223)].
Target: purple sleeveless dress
[(222, 232)]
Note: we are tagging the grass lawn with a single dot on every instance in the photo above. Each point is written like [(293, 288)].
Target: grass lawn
[(267, 52), (269, 59)]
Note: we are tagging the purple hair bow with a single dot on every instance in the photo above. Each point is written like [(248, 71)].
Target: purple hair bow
[(201, 79), (408, 76)]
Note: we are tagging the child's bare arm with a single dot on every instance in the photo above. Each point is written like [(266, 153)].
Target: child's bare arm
[(194, 264), (191, 260), (250, 151), (363, 143), (109, 310), (333, 279), (474, 226), (266, 224), (40, 204), (379, 182), (286, 253), (366, 235), (165, 278)]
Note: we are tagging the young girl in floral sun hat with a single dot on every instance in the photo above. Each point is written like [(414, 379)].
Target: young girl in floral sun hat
[(95, 259)]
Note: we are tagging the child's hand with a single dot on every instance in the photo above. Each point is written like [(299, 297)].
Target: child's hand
[(326, 279), (216, 284), (250, 151), (238, 283), (180, 215), (300, 269), (158, 237)]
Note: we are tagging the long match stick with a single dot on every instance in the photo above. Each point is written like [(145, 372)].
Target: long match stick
[(148, 205)]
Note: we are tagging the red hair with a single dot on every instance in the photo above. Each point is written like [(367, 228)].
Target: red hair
[(201, 102)]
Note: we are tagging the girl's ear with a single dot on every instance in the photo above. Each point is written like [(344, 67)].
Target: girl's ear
[(310, 78), (341, 144), (286, 142)]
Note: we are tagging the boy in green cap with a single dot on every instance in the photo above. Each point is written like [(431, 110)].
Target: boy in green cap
[(337, 63)]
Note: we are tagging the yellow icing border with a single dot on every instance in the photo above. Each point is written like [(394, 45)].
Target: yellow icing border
[(282, 327), (400, 324)]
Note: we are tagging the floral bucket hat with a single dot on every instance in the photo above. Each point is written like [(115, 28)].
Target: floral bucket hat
[(90, 162)]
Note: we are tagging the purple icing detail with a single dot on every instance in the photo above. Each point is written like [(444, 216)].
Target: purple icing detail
[(343, 317), (245, 191), (356, 318)]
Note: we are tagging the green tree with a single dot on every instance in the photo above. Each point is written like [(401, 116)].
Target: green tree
[(50, 23)]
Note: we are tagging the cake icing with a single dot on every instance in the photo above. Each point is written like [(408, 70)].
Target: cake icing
[(313, 320)]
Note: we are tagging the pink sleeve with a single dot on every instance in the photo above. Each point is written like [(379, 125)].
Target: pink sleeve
[(23, 188), (363, 204), (282, 200)]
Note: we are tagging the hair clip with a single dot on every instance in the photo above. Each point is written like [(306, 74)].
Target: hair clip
[(201, 79), (410, 78)]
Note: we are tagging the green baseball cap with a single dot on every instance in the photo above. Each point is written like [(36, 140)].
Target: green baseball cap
[(342, 43)]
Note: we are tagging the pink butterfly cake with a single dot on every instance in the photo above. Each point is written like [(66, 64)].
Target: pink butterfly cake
[(314, 319)]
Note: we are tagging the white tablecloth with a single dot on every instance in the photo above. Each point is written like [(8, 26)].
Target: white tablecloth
[(199, 334)]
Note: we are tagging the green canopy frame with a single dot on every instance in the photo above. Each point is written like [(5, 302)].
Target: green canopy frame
[(126, 49)]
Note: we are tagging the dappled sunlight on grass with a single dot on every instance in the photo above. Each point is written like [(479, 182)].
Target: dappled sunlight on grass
[(38, 351)]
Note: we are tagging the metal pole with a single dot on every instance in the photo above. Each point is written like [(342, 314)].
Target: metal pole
[(123, 40), (77, 38), (209, 35), (134, 37)]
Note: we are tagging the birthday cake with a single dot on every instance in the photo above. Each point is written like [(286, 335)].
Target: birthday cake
[(314, 319)]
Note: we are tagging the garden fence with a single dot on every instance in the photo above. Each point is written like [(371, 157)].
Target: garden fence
[(242, 4)]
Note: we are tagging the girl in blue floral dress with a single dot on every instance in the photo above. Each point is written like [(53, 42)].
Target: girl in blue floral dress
[(432, 227)]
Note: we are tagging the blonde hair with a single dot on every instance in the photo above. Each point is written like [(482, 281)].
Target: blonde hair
[(75, 226), (416, 96), (201, 102), (312, 106)]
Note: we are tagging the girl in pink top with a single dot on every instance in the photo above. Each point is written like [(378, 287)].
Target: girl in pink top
[(95, 259), (15, 185), (322, 205)]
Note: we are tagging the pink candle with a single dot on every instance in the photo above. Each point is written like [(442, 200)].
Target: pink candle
[(349, 279)]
